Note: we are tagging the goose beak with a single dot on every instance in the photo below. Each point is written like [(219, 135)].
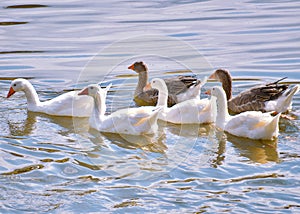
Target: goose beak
[(84, 91), (147, 87), (208, 92), (131, 67), (11, 92), (212, 76)]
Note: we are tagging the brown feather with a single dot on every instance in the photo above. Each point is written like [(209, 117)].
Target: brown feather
[(149, 97), (252, 99)]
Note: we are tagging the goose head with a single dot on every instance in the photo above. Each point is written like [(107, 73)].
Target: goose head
[(220, 74), (217, 92), (91, 90), (17, 85), (138, 67), (99, 96), (159, 84), (224, 77), (94, 90)]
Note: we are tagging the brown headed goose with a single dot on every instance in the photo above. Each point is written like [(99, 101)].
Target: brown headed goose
[(180, 88), (268, 97)]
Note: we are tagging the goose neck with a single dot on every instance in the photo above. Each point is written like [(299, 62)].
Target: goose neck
[(99, 108), (142, 82), (31, 96), (222, 112), (227, 85), (162, 96)]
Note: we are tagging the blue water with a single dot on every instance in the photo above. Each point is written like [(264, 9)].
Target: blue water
[(59, 165)]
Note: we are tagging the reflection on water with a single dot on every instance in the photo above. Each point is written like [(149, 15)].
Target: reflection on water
[(191, 130), (255, 150), (151, 143), (29, 125), (22, 128), (58, 164)]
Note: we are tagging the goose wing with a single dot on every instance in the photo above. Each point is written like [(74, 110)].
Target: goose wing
[(254, 99), (180, 84), (150, 97)]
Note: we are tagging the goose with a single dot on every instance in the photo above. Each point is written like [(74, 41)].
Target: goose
[(180, 88), (68, 104), (268, 97), (131, 121), (250, 124), (193, 111)]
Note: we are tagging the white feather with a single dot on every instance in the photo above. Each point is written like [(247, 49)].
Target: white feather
[(250, 124), (68, 104)]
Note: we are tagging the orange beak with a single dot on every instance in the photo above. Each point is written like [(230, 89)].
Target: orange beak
[(208, 92), (212, 76), (131, 67), (84, 92), (11, 92), (147, 87)]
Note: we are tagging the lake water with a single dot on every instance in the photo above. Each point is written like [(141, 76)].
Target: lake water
[(59, 165)]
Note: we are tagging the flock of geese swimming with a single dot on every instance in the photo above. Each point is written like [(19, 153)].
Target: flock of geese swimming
[(253, 114)]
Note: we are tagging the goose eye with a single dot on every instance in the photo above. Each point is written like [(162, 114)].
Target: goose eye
[(92, 88), (15, 84)]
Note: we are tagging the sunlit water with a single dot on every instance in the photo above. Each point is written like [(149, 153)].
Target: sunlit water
[(58, 164)]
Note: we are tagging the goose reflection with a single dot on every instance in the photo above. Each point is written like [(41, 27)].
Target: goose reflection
[(218, 138), (23, 127), (211, 144), (35, 123), (152, 143), (190, 130), (256, 150), (259, 151)]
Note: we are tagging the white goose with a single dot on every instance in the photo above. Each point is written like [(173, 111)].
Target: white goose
[(132, 121), (249, 124), (193, 111), (68, 104)]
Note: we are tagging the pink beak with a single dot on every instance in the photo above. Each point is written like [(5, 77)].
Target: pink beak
[(11, 92), (84, 92)]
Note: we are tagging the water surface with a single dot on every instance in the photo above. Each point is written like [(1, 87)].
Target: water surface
[(58, 164)]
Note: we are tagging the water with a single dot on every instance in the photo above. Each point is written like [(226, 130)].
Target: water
[(55, 164)]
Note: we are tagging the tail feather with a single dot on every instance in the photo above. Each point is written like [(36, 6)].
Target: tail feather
[(148, 125), (273, 127), (276, 82), (154, 116), (153, 120), (292, 91), (197, 90), (285, 101)]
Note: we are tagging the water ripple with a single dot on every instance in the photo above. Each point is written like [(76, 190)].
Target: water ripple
[(55, 164)]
